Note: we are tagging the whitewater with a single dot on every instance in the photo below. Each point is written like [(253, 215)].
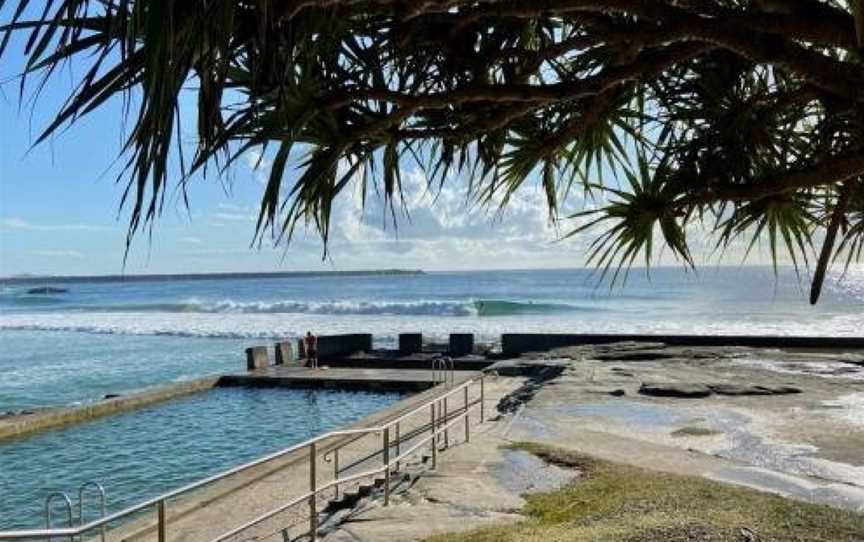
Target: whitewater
[(109, 336), (722, 300)]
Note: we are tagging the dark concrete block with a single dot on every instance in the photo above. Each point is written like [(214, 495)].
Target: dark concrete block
[(285, 353), (461, 344), (410, 343), (256, 358), (336, 346)]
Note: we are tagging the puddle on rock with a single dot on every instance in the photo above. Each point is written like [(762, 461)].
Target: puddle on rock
[(849, 408), (522, 472), (530, 427), (834, 494), (742, 439), (824, 369), (631, 413)]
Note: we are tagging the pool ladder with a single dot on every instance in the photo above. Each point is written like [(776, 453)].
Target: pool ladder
[(67, 504), (443, 370)]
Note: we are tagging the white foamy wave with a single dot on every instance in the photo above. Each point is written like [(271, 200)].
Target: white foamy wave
[(411, 308), (385, 327), (467, 307), (234, 326)]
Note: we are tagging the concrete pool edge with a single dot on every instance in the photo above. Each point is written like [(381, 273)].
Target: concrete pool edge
[(56, 417), (354, 379)]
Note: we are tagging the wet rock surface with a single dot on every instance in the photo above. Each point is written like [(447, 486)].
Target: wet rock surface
[(674, 389), (737, 389), (512, 402), (699, 391), (539, 374), (772, 420), (793, 414)]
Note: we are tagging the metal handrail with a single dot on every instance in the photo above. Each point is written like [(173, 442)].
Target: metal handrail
[(332, 456), (441, 365), (160, 501), (386, 467)]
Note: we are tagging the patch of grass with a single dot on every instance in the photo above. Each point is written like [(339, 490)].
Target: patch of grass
[(694, 432), (612, 502)]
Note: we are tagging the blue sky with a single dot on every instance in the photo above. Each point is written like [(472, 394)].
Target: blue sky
[(59, 210)]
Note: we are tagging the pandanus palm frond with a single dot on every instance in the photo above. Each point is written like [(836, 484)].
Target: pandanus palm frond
[(720, 116)]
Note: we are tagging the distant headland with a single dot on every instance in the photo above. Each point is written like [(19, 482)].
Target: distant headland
[(33, 279)]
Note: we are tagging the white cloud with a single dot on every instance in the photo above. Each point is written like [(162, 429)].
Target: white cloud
[(233, 217), (232, 214), (190, 240), (443, 230), (442, 214), (15, 223)]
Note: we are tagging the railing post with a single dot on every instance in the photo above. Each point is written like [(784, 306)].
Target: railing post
[(434, 436), (398, 446), (161, 527), (386, 466), (467, 430), (438, 418), (482, 399), (313, 489), (336, 470), (446, 430)]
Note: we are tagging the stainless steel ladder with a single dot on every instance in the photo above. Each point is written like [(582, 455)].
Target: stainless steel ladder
[(443, 370), (67, 505)]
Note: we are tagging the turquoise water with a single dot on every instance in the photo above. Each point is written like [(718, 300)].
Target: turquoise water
[(141, 454), (58, 368), (108, 337)]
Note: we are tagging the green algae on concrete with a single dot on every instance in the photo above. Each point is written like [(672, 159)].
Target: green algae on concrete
[(614, 502)]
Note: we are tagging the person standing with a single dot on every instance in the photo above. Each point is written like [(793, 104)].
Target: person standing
[(310, 342)]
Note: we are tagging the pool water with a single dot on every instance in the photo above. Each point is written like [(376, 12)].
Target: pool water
[(141, 454)]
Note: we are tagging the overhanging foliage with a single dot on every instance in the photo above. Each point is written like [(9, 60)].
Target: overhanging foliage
[(743, 116)]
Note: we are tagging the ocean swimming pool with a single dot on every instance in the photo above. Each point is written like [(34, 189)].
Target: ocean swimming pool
[(141, 454)]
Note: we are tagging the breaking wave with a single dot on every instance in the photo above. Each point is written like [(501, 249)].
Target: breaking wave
[(479, 308)]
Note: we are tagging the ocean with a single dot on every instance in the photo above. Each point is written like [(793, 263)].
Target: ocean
[(113, 336)]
